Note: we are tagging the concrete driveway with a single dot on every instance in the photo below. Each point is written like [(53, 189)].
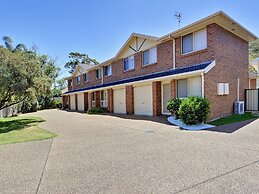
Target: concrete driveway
[(109, 154)]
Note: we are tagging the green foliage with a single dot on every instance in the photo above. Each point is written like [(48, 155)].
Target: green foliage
[(254, 50), (57, 103), (76, 58), (194, 110), (173, 106), (25, 77), (97, 110)]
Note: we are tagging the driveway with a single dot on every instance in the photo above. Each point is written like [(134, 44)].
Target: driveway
[(111, 154)]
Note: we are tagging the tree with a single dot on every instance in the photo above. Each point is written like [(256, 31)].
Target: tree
[(8, 42), (254, 50), (76, 58), (22, 77)]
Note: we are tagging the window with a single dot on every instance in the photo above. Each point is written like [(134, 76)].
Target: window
[(129, 63), (104, 98), (98, 73), (194, 41), (93, 99), (85, 77), (108, 70), (70, 83), (150, 56), (223, 89), (189, 87), (78, 80)]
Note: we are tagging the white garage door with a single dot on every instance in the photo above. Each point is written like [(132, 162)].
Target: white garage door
[(119, 101), (72, 102), (143, 100), (80, 99)]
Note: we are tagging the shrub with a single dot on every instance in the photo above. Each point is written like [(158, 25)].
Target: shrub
[(194, 110), (97, 110), (173, 106), (57, 103)]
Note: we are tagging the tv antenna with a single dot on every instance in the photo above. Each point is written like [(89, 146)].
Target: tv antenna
[(178, 16)]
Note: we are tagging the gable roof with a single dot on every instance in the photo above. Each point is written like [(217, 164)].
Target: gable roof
[(219, 18), (148, 37), (82, 68)]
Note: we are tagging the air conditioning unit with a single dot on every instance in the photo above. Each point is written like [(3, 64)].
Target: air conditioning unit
[(239, 107)]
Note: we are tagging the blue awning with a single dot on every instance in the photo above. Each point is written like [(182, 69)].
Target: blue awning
[(180, 70)]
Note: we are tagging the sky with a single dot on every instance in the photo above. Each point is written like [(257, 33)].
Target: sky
[(100, 27)]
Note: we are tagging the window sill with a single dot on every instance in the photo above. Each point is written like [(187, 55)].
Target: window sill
[(98, 78), (193, 53), (151, 64), (126, 71), (107, 75)]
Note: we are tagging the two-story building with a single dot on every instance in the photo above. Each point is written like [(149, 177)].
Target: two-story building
[(207, 58)]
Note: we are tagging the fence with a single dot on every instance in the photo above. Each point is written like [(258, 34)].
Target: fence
[(9, 111), (252, 99)]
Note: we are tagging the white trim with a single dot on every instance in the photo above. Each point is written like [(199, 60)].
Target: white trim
[(202, 85), (198, 72), (162, 98), (174, 53)]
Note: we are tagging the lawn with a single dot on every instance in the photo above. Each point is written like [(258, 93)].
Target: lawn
[(234, 119), (22, 129)]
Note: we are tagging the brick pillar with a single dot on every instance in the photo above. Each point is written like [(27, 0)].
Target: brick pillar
[(85, 101), (97, 99), (129, 99), (68, 102), (156, 91), (76, 102), (173, 89), (110, 100)]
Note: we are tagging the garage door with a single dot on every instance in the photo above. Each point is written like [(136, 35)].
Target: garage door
[(143, 100), (119, 101), (72, 102), (80, 99)]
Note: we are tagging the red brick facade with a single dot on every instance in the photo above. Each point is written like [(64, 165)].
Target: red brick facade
[(85, 101), (228, 50), (252, 83), (97, 99), (129, 99), (157, 98)]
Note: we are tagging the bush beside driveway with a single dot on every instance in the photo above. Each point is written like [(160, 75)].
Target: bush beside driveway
[(109, 154)]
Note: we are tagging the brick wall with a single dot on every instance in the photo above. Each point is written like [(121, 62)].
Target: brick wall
[(110, 100), (157, 98), (97, 99), (85, 101), (129, 99), (252, 83), (231, 54)]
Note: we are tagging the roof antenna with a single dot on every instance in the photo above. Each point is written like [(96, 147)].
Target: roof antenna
[(178, 16)]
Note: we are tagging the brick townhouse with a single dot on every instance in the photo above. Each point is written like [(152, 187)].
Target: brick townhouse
[(208, 58)]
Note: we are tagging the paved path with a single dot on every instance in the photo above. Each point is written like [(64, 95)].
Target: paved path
[(108, 154)]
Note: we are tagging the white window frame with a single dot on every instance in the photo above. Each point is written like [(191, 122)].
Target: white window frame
[(162, 96), (99, 74), (110, 72), (187, 85), (127, 58), (150, 62), (85, 75), (93, 101), (78, 79), (104, 102), (193, 43)]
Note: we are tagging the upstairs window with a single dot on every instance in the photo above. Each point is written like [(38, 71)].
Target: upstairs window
[(129, 63), (70, 83), (85, 77), (78, 80), (108, 70), (98, 73), (150, 56), (194, 41)]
